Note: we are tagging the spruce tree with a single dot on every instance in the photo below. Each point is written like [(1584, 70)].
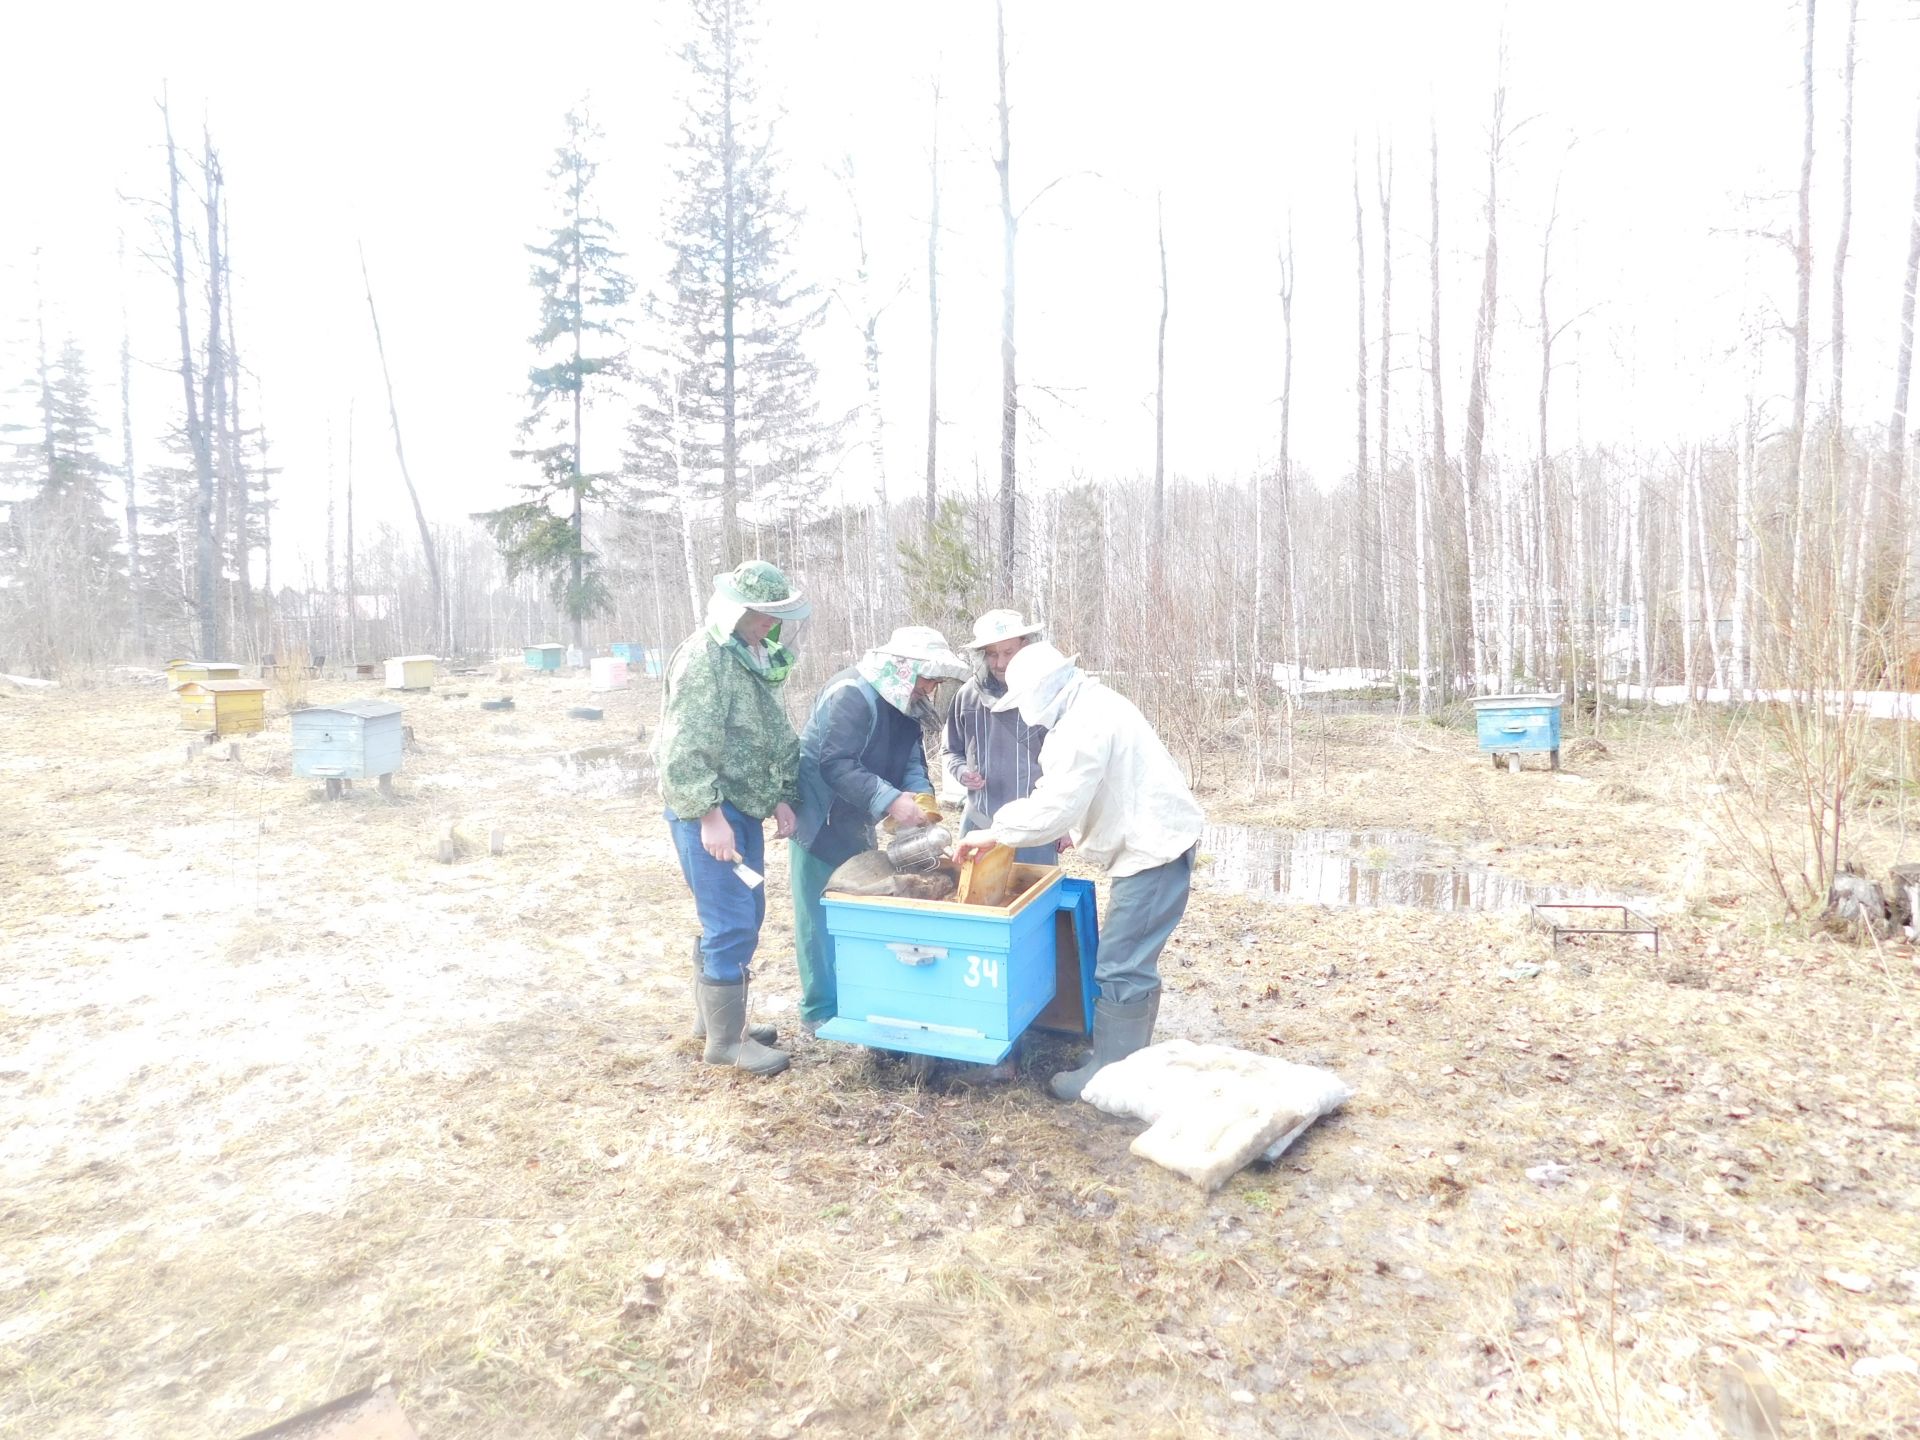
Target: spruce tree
[(582, 293), (728, 409), (65, 578)]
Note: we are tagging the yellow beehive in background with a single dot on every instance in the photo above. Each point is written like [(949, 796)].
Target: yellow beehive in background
[(225, 707), (410, 672), (181, 672)]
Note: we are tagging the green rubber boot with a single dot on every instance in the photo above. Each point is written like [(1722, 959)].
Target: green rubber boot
[(765, 1034), (1118, 1031), (724, 1008)]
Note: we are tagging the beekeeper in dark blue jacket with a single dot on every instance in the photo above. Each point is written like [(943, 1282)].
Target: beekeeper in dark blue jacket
[(861, 761)]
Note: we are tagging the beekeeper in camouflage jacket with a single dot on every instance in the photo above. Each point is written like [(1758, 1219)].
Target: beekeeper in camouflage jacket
[(728, 760)]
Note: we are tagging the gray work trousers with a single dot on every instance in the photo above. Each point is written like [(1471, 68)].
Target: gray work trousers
[(1139, 921)]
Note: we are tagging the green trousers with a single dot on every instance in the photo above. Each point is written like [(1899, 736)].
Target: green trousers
[(812, 946)]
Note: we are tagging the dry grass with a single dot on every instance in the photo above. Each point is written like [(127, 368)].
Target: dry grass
[(294, 1106)]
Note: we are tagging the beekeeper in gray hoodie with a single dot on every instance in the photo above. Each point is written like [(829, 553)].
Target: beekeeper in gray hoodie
[(1106, 780), (994, 756)]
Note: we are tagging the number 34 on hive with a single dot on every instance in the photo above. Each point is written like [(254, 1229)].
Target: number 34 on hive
[(987, 970)]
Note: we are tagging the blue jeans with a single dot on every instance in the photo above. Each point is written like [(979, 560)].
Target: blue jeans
[(1141, 914), (730, 911)]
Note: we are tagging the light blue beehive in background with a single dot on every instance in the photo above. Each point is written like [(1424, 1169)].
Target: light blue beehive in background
[(355, 740), (1511, 725), (545, 657), (641, 659)]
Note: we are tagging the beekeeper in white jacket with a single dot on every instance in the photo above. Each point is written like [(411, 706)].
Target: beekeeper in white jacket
[(1106, 779)]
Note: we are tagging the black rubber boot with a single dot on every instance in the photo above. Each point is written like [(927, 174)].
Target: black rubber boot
[(765, 1034), (1118, 1031), (724, 1007)]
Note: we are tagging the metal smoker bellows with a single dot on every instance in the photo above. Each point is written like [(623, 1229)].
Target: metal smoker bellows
[(921, 849)]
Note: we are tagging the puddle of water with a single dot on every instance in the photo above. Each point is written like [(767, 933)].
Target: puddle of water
[(616, 769), (1362, 868)]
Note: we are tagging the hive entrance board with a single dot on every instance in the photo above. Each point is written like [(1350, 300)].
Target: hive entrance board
[(987, 878)]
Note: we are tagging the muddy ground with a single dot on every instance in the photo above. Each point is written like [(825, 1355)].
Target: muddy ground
[(292, 1107)]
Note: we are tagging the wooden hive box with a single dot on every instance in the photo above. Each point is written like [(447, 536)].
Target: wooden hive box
[(354, 740), (545, 657), (186, 672), (224, 707), (1509, 724), (938, 978), (634, 655), (609, 673), (410, 672)]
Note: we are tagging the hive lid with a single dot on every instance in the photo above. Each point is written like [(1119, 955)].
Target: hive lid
[(1514, 702), (226, 687), (409, 659), (365, 709)]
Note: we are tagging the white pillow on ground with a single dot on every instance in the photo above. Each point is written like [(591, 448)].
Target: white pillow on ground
[(1211, 1109)]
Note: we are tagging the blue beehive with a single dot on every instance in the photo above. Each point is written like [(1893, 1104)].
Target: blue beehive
[(355, 740), (545, 657), (963, 982), (641, 659), (1510, 725)]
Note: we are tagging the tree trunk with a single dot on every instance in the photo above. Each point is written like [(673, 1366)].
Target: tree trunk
[(1433, 369), (577, 562), (1903, 363), (1286, 468), (1637, 569), (1421, 598), (213, 391), (1477, 378), (353, 595), (208, 616), (683, 474), (1742, 676), (1803, 269), (1160, 414), (1389, 568), (332, 638), (933, 327), (1009, 392), (237, 462), (1709, 607), (400, 454), (730, 441), (1548, 335), (1362, 492), (1686, 576), (135, 585)]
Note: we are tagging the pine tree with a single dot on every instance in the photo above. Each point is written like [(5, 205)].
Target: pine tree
[(581, 297), (729, 410)]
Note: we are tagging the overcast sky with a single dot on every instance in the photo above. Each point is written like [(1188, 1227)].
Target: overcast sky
[(425, 134)]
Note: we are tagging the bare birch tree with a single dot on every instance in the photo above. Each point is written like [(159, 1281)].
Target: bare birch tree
[(136, 585), (1479, 374), (1439, 475), (1160, 409), (1803, 271), (1009, 389), (933, 323), (1361, 494), (1286, 464), (1389, 567), (1903, 361), (400, 454)]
